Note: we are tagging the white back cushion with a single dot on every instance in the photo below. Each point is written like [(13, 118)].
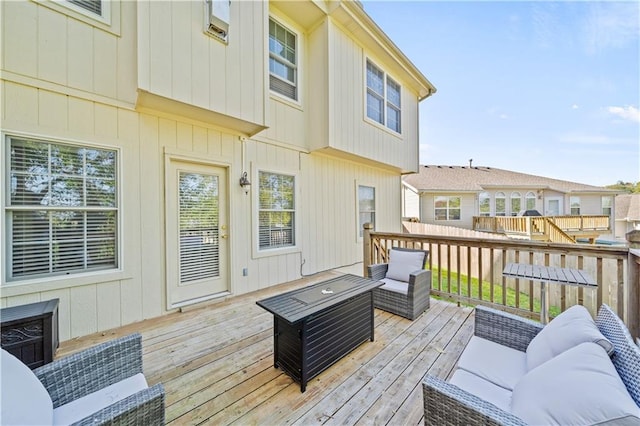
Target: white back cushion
[(578, 387), (569, 329), (403, 263), (24, 400)]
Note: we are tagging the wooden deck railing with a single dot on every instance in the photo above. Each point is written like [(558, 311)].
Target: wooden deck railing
[(558, 229), (469, 271)]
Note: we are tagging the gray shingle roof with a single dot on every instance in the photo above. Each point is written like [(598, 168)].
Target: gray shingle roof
[(478, 178), (628, 207)]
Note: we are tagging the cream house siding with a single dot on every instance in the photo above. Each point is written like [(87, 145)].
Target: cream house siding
[(178, 60), (467, 209), (410, 203)]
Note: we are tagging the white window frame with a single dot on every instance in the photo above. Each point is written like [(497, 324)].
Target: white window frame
[(386, 103), (255, 189), (527, 198), (515, 196), (359, 225), (448, 208), (484, 196), (500, 196), (66, 277), (606, 199), (574, 211), (105, 12), (296, 66)]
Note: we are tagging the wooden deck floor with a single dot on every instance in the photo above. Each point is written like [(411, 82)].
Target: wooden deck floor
[(216, 364)]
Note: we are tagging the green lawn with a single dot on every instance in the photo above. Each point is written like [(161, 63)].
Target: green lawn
[(486, 291)]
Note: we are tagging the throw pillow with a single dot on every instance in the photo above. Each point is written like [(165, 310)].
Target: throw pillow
[(403, 263), (578, 387), (569, 329)]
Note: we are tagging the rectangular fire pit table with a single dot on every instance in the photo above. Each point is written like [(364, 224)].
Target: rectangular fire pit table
[(315, 326)]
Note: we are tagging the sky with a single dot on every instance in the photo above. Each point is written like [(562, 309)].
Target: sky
[(545, 88)]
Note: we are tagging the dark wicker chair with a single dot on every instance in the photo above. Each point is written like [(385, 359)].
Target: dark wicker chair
[(409, 305), (88, 371)]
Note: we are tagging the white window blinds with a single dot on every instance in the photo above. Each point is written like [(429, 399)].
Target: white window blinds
[(276, 214)]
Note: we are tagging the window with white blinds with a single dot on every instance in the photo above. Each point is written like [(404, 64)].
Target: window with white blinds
[(199, 226), (93, 6), (283, 62), (276, 211), (384, 103), (366, 207), (61, 210)]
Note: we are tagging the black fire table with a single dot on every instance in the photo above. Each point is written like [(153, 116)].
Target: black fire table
[(315, 326)]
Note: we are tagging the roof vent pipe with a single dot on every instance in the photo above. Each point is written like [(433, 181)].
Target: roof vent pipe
[(470, 162)]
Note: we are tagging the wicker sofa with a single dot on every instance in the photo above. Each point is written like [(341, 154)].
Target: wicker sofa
[(566, 374), (100, 385), (407, 285)]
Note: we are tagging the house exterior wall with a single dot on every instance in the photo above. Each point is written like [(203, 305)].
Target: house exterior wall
[(410, 203), (467, 209), (154, 94)]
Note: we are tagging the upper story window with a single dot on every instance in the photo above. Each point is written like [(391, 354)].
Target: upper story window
[(607, 204), (276, 211), (516, 203), (383, 98), (484, 204), (447, 208), (61, 210), (575, 205), (501, 204), (283, 60), (366, 207), (530, 201)]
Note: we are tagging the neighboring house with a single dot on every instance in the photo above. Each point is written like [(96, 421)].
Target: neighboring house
[(453, 195), (162, 153), (627, 214)]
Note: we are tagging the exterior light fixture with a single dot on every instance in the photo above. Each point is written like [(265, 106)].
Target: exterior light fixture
[(244, 182)]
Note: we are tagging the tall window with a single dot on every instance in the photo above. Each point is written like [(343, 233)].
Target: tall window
[(366, 207), (484, 203), (447, 208), (383, 98), (501, 204), (283, 69), (607, 204), (530, 200), (575, 205), (276, 211), (516, 203), (62, 210)]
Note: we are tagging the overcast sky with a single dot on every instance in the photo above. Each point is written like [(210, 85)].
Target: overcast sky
[(545, 88)]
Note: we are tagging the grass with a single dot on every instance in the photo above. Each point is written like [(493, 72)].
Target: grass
[(486, 291)]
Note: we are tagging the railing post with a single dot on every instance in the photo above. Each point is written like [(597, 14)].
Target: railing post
[(633, 278), (366, 247)]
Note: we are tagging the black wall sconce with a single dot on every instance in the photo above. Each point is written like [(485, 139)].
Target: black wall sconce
[(244, 182)]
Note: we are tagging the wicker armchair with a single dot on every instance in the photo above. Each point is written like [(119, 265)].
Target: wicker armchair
[(81, 374), (410, 300)]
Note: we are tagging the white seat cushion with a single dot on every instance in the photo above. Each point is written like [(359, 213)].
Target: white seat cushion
[(483, 389), (577, 387), (403, 263), (24, 400), (395, 286), (569, 329), (96, 401), (501, 365)]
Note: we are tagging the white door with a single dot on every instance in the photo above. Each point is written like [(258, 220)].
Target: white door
[(197, 233), (553, 206)]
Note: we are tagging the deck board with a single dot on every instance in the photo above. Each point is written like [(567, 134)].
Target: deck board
[(216, 364)]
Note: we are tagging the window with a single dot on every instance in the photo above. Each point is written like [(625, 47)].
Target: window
[(93, 6), (99, 10), (530, 200), (606, 205), (484, 202), (383, 98), (501, 204), (575, 205), (516, 202), (276, 211), (447, 208), (62, 210), (282, 61), (366, 207)]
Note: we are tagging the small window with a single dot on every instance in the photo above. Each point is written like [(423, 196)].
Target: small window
[(366, 207), (62, 209), (484, 201), (516, 203), (93, 6), (530, 200), (501, 204), (384, 102), (575, 205), (607, 204), (276, 211), (447, 208), (283, 61)]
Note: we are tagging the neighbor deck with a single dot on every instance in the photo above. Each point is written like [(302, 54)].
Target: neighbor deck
[(216, 364)]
